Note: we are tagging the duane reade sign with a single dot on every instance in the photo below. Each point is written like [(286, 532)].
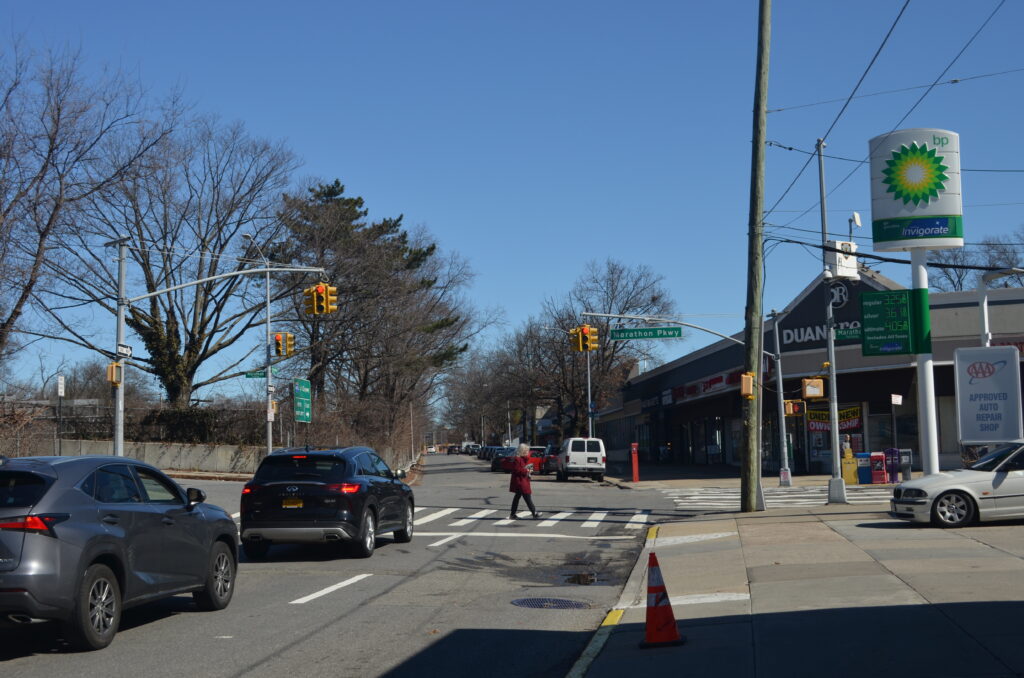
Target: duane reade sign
[(988, 394), (915, 190)]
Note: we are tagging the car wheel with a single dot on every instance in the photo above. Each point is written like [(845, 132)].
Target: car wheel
[(404, 535), (953, 509), (599, 478), (97, 612), (367, 536), (220, 580), (256, 549), (561, 477)]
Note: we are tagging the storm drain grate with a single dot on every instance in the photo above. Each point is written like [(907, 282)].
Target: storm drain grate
[(551, 603)]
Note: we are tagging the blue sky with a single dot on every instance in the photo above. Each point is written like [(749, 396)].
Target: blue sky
[(531, 137)]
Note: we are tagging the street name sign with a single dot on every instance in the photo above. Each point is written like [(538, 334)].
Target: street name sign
[(988, 403), (623, 334), (303, 401)]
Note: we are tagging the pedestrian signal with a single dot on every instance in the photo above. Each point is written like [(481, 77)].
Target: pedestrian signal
[(795, 408), (747, 385), (813, 388)]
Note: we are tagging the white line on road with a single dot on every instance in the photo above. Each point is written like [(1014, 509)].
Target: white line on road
[(540, 535), (434, 516), (507, 521), (554, 519), (445, 540), (467, 521), (329, 589), (595, 519), (638, 521), (418, 509), (236, 516)]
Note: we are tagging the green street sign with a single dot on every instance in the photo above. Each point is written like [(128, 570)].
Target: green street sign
[(895, 322), (303, 402), (847, 333), (646, 333), (258, 374)]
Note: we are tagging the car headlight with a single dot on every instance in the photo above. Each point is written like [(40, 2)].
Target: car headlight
[(914, 493)]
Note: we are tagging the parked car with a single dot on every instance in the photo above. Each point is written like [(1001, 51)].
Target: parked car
[(535, 459), (84, 538), (992, 488), (345, 495), (581, 457), (550, 464), (500, 456), (471, 448), (454, 449)]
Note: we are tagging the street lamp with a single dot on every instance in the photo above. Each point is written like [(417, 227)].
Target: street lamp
[(983, 281), (269, 375)]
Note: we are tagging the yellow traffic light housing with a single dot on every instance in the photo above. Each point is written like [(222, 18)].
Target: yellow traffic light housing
[(320, 298), (813, 388), (278, 344), (590, 343), (747, 385), (115, 374), (289, 343), (795, 408), (309, 300), (576, 339), (330, 299)]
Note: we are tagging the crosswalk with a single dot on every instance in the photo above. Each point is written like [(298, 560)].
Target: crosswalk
[(728, 498), (437, 516)]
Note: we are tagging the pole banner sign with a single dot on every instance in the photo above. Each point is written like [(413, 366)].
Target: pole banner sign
[(988, 399), (915, 190)]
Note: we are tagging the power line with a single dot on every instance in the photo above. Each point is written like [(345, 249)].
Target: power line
[(843, 109), (861, 162), (954, 81)]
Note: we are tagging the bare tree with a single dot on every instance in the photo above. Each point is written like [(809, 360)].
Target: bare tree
[(64, 139), (1005, 252), (184, 211), (948, 278)]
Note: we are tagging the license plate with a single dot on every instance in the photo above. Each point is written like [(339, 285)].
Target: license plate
[(591, 460), (291, 503)]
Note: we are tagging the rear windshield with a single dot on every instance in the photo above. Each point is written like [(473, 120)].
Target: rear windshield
[(593, 446), (18, 489), (302, 467), (577, 446)]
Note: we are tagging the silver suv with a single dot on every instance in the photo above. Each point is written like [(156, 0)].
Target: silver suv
[(83, 538)]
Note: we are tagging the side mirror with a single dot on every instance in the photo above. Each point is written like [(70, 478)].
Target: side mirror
[(195, 496), (400, 473)]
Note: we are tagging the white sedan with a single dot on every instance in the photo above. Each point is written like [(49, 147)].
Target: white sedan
[(991, 488)]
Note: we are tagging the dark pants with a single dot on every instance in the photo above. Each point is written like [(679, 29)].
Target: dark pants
[(529, 502)]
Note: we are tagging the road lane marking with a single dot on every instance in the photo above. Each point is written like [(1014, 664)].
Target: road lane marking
[(638, 520), (467, 521), (507, 521), (418, 509), (595, 518), (554, 519), (540, 535), (236, 516), (329, 589), (445, 540), (434, 516)]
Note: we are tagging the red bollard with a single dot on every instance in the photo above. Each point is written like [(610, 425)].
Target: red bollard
[(634, 451)]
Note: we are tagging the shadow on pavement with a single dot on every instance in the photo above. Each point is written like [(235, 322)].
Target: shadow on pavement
[(497, 653), (954, 639)]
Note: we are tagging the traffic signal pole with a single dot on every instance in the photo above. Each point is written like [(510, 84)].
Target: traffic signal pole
[(590, 403), (785, 476)]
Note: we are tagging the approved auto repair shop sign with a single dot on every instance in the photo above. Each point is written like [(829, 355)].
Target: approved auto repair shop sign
[(988, 397)]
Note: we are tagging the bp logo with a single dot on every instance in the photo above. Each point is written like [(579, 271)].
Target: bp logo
[(915, 174)]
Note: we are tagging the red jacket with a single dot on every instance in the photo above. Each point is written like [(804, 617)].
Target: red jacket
[(520, 481)]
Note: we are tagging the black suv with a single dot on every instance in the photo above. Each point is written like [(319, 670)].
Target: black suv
[(324, 496), (82, 538)]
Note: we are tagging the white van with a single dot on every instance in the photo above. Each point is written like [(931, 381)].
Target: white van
[(581, 457)]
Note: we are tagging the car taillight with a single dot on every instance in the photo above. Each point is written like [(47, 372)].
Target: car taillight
[(344, 488), (602, 459), (246, 490), (42, 524)]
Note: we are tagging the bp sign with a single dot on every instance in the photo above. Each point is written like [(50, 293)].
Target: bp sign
[(915, 190)]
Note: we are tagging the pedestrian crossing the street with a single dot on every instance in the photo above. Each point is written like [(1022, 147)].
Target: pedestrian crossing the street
[(443, 517), (728, 498)]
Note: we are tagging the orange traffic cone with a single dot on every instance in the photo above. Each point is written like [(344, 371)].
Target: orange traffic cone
[(661, 628)]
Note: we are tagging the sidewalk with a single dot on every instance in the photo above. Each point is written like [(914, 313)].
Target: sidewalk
[(831, 591)]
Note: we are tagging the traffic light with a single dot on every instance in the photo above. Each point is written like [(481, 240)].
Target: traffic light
[(320, 298), (590, 338), (813, 388), (576, 339), (795, 408), (330, 299), (278, 344), (289, 343), (747, 385), (310, 295)]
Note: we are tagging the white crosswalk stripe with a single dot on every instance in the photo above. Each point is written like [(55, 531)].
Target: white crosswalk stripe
[(629, 519), (473, 518), (434, 516), (728, 498), (595, 519), (553, 519), (638, 520)]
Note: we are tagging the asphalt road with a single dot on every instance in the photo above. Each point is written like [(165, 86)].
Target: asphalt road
[(444, 604)]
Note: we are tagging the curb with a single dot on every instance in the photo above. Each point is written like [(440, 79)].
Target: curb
[(614, 616)]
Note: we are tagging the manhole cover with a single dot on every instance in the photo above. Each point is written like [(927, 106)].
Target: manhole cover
[(551, 603)]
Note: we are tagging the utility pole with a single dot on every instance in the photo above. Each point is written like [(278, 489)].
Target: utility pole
[(749, 469), (836, 484)]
